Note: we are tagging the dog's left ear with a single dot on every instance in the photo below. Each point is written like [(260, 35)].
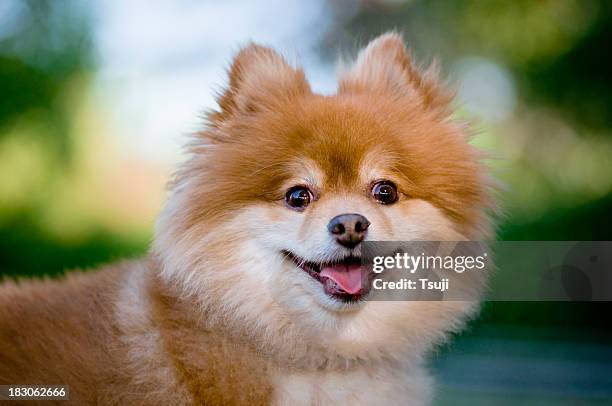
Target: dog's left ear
[(386, 66), (259, 79)]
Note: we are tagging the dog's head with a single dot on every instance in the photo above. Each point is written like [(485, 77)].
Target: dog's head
[(267, 218)]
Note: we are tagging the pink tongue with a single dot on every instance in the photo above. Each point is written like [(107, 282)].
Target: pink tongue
[(348, 277)]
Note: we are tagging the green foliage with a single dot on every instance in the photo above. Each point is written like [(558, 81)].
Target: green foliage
[(48, 46), (26, 250)]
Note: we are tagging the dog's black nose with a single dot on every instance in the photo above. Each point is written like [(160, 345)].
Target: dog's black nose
[(349, 229)]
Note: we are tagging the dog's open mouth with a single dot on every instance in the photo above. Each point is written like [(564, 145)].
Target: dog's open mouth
[(347, 280)]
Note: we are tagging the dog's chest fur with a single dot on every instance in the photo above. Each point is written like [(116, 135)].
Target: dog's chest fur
[(210, 364), (363, 386)]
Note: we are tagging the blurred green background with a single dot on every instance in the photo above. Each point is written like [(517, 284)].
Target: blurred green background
[(92, 94)]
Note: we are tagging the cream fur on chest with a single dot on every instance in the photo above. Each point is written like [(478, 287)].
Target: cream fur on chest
[(362, 386)]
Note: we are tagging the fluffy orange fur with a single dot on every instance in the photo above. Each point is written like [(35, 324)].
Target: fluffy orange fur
[(215, 314)]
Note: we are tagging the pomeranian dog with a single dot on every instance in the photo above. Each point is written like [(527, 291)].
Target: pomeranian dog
[(250, 293)]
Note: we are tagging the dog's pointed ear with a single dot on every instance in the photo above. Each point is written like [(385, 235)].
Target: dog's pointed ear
[(259, 79), (385, 65)]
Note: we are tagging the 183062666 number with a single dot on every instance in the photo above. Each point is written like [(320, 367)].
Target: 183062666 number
[(34, 392)]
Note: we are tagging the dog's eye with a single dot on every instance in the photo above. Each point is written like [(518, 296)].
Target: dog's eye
[(298, 197), (384, 192)]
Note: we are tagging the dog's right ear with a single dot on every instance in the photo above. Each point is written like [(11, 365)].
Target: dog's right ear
[(259, 79)]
